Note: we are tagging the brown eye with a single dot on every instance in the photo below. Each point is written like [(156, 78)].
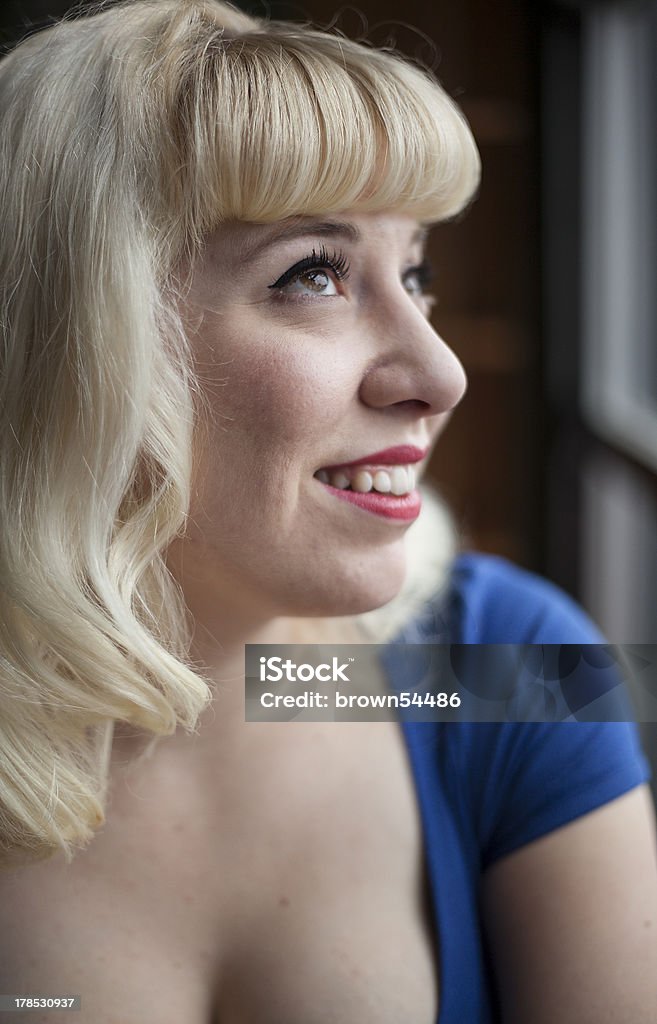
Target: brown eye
[(316, 272), (316, 280)]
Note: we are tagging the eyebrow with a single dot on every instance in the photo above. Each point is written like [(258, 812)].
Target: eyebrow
[(323, 228)]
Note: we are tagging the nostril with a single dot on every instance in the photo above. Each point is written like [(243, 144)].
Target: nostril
[(413, 405)]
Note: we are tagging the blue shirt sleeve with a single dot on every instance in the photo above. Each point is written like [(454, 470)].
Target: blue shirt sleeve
[(526, 779), (496, 602)]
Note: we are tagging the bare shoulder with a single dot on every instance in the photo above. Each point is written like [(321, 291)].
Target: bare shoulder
[(55, 939), (111, 927), (49, 946), (572, 919)]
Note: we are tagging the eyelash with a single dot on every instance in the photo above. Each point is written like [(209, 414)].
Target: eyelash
[(338, 264), (424, 273)]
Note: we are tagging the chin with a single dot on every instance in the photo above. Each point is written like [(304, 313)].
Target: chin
[(356, 589)]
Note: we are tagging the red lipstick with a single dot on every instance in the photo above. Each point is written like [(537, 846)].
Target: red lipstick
[(405, 507), (401, 455), (382, 502)]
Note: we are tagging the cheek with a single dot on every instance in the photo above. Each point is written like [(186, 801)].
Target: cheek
[(276, 418), (283, 396)]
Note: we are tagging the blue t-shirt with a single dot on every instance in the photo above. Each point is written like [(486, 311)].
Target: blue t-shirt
[(485, 789)]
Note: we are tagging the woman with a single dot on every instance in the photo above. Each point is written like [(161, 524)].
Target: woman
[(218, 381)]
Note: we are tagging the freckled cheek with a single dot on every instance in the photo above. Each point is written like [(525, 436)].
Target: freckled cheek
[(289, 400), (280, 417)]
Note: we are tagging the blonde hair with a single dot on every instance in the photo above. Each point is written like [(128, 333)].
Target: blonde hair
[(126, 136)]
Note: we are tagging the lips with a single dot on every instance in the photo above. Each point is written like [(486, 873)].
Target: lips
[(401, 455), (405, 508), (382, 483)]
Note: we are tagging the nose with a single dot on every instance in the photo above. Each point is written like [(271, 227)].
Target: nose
[(413, 368)]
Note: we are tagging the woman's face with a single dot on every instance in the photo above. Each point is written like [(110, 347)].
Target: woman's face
[(312, 339)]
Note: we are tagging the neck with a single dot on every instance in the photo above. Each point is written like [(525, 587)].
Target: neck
[(221, 658)]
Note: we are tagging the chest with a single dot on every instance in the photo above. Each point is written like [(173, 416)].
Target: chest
[(284, 881), (332, 922)]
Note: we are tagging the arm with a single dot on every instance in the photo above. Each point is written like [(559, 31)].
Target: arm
[(571, 920)]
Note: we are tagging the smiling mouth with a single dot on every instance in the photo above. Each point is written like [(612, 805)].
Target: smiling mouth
[(398, 480)]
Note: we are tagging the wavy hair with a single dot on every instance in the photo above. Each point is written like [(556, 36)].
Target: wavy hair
[(128, 134)]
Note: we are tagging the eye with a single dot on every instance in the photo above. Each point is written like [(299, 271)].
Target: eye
[(419, 277), (313, 275)]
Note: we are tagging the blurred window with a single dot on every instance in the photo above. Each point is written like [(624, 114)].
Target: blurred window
[(619, 199)]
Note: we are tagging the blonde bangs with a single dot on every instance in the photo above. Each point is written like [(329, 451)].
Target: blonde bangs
[(329, 125)]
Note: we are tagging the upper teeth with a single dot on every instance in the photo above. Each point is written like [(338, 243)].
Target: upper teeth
[(400, 480)]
